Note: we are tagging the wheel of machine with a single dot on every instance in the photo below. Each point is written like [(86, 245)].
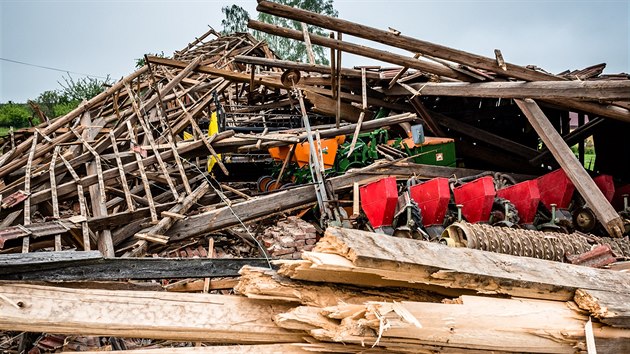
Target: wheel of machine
[(584, 220), (498, 211), (287, 185), (271, 186), (262, 182)]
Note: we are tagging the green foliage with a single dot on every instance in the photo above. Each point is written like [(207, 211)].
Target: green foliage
[(83, 88), (55, 103), (14, 115), (296, 50), (236, 21)]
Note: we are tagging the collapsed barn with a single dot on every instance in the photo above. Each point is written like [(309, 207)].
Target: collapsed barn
[(433, 205)]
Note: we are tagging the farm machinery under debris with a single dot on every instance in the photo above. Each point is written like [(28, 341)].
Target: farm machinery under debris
[(291, 165), (542, 217)]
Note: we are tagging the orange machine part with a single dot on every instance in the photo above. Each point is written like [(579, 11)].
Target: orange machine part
[(329, 151)]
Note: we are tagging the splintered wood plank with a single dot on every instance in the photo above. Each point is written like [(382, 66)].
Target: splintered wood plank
[(148, 133), (418, 262), (264, 283), (466, 323), (143, 314), (143, 174), (609, 307), (121, 173), (27, 191), (85, 231), (53, 191), (593, 196)]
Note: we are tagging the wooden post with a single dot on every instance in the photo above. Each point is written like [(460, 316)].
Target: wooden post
[(338, 82), (355, 136), (143, 175), (307, 41), (572, 167), (53, 192), (27, 191)]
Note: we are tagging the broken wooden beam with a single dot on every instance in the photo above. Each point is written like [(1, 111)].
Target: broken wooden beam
[(364, 258), (593, 196), (142, 314)]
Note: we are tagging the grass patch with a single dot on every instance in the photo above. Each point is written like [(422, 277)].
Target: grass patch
[(589, 161), (4, 131)]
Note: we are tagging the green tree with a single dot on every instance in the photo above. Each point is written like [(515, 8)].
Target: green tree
[(236, 21), (83, 88), (14, 115), (55, 103)]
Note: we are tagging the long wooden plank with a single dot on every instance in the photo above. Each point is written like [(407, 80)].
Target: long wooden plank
[(141, 169), (426, 66), (418, 46), (27, 191), (287, 64), (89, 267), (413, 261), (53, 190), (302, 196), (593, 90), (142, 314), (593, 196)]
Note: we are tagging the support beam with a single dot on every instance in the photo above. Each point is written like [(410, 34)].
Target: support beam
[(418, 46), (434, 68), (287, 64), (593, 196), (588, 90)]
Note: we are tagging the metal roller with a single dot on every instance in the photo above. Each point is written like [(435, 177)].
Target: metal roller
[(552, 246)]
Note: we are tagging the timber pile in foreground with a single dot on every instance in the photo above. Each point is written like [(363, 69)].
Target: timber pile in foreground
[(359, 292), (242, 182)]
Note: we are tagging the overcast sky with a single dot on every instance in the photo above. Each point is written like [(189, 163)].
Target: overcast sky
[(104, 37)]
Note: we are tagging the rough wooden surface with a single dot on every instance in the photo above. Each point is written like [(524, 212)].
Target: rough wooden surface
[(143, 314), (477, 323), (422, 262), (583, 182), (260, 283), (95, 267), (610, 308)]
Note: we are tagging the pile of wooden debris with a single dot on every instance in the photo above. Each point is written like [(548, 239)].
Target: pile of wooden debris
[(243, 182)]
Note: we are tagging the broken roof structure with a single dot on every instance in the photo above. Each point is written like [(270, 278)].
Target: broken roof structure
[(226, 169)]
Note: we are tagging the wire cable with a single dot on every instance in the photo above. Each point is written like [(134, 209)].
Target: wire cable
[(50, 68)]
